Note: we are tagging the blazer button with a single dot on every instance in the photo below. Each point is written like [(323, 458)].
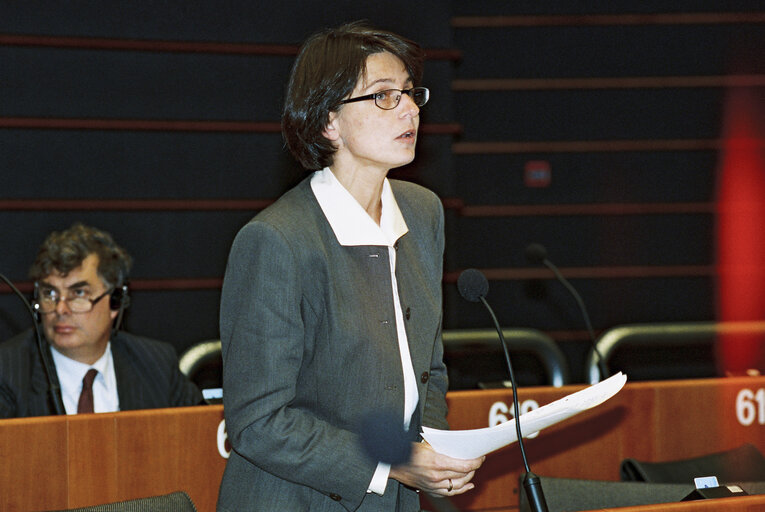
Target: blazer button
[(424, 377), (408, 313), (336, 497)]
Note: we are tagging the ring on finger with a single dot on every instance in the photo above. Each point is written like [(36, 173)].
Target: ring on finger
[(449, 489)]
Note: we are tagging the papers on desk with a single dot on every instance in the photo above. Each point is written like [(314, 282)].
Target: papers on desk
[(468, 444)]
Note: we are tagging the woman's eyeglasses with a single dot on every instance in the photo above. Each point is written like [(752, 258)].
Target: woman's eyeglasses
[(390, 98)]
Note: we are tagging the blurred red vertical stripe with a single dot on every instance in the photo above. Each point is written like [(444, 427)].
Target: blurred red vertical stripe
[(741, 228)]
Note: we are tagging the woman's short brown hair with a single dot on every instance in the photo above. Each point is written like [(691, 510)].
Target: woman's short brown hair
[(326, 71)]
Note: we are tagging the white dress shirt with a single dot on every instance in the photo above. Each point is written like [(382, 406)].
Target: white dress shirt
[(70, 374), (352, 226)]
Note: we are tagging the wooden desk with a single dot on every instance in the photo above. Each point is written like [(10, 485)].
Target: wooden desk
[(652, 421), (64, 462), (52, 463)]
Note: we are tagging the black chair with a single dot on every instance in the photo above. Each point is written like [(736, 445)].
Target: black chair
[(742, 464), (202, 363), (572, 495), (659, 351), (474, 358), (174, 502)]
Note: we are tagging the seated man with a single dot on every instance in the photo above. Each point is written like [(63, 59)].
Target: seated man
[(80, 295)]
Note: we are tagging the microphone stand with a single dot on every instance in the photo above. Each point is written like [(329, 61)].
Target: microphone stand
[(578, 298), (536, 253), (531, 482), (53, 386)]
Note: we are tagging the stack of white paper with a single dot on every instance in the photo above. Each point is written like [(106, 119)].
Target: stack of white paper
[(468, 444)]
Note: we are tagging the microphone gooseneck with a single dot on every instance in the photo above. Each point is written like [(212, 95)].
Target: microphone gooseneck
[(53, 386), (473, 287), (536, 253)]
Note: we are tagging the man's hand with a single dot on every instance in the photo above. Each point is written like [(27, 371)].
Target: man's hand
[(435, 473)]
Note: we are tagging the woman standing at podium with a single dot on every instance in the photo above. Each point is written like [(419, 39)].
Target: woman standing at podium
[(331, 305)]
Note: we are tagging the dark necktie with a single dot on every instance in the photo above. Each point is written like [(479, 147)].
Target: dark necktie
[(86, 397)]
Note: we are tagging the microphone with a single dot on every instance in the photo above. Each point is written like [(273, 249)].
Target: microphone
[(473, 287), (53, 386), (536, 253)]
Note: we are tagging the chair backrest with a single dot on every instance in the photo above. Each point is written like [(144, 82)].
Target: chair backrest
[(571, 495), (742, 464), (695, 339), (174, 502), (202, 363), (463, 346)]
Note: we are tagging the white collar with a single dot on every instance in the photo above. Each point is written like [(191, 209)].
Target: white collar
[(69, 370), (351, 224)]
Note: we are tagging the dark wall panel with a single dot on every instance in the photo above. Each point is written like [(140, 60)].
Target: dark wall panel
[(528, 7), (79, 83), (288, 21), (591, 114), (191, 244), (555, 51), (581, 178), (145, 165), (150, 165), (588, 241), (51, 82), (546, 305), (181, 317)]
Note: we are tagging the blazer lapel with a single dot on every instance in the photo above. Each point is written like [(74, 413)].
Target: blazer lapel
[(130, 392)]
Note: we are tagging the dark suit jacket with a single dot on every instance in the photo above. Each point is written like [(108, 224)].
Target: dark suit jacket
[(310, 347), (147, 376)]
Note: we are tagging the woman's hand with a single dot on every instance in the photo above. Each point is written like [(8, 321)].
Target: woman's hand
[(435, 473)]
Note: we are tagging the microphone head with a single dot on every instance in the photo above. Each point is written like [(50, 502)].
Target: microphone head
[(536, 253), (384, 439), (472, 285)]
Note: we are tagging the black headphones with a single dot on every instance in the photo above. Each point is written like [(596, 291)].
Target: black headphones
[(35, 305), (119, 298)]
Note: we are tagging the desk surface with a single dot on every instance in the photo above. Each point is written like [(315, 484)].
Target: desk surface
[(65, 462), (744, 503)]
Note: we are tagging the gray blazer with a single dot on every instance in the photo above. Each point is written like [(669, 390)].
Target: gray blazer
[(147, 375), (310, 348)]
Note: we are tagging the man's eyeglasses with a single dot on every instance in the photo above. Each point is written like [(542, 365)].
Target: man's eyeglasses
[(48, 299), (390, 98)]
